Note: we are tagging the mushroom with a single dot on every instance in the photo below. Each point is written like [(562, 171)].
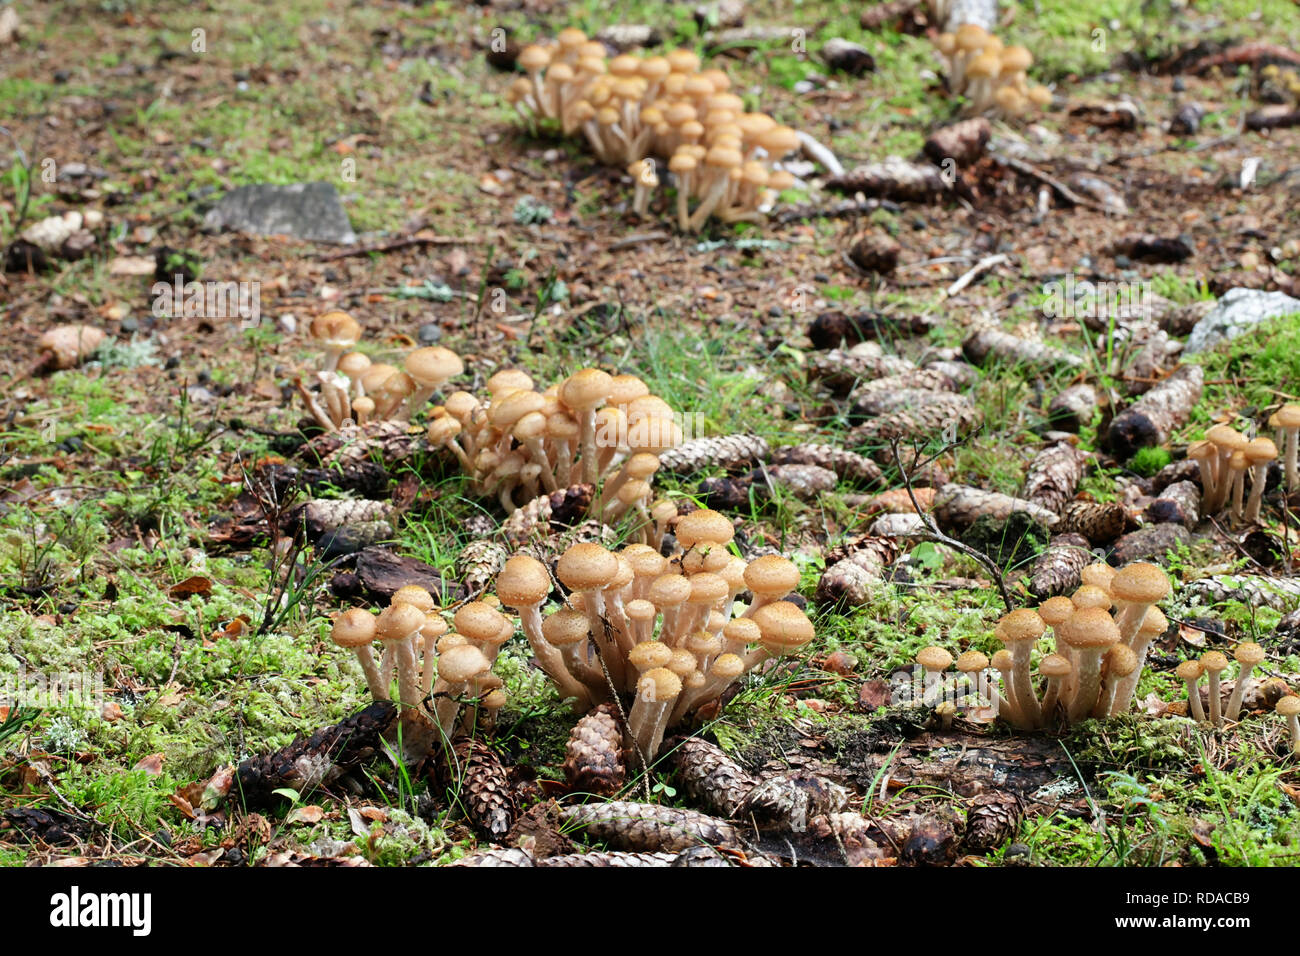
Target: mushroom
[(1057, 669), (1005, 704), (1206, 456), (972, 664), (457, 668), (1135, 588), (1020, 631), (430, 368), (785, 628), (770, 578), (1215, 663), (1090, 633), (567, 630), (355, 629), (656, 691), (1153, 625), (1121, 663), (1289, 707), (398, 626), (523, 585), (338, 332), (588, 569), (482, 625), (935, 661), (1189, 672), (1287, 421), (1054, 611), (1248, 655), (584, 392), (1226, 440), (1259, 453)]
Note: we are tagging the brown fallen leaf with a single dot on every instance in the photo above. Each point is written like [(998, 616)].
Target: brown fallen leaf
[(152, 765), (112, 711), (307, 814), (191, 586)]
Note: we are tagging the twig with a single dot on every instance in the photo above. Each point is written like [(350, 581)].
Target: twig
[(969, 276), (404, 243), (1065, 192), (932, 532), (627, 242)]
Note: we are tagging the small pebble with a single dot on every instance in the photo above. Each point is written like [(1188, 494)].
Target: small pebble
[(429, 333)]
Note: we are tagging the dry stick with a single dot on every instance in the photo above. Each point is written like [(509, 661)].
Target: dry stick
[(988, 262), (1063, 190), (397, 244), (932, 532)]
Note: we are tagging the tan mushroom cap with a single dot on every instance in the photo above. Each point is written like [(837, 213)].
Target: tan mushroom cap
[(1214, 662), (462, 663), (703, 644), (414, 595), (1121, 661), (336, 329), (984, 65), (934, 658), (743, 630), (1016, 59), (586, 566), (650, 654), (970, 661), (1091, 596), (565, 626), (659, 684), (1260, 450), (707, 589), (1248, 653), (1288, 706), (727, 667), (1054, 665), (1154, 622), (523, 582), (772, 575), (586, 389), (398, 622), (434, 628), (1090, 628), (508, 379), (1226, 437), (534, 58), (355, 627), (1055, 610), (971, 36), (1190, 670), (1288, 416), (640, 610), (783, 625), (433, 365), (479, 621), (1099, 575), (670, 590), (1023, 624), (704, 525), (1141, 583), (1002, 660)]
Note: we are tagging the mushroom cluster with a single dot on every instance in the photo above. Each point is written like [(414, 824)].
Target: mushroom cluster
[(1248, 656), (988, 74), (1287, 422), (724, 159), (663, 634), (418, 644), (595, 428), (353, 388), (1101, 635), (1224, 456)]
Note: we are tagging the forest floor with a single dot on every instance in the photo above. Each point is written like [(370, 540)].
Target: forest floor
[(130, 543)]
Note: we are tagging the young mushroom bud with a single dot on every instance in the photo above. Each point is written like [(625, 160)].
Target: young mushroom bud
[(1248, 655), (355, 629), (971, 665), (784, 628), (1189, 672), (1215, 664)]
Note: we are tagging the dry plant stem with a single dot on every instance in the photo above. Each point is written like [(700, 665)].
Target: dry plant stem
[(932, 532)]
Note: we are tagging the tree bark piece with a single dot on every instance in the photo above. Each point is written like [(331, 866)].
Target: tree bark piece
[(645, 827), (1054, 475), (1152, 419)]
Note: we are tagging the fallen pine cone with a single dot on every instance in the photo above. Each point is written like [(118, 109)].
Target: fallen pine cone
[(874, 403), (501, 856), (1152, 418), (709, 777), (1053, 476), (1073, 408), (805, 482), (848, 465), (962, 142), (321, 515), (956, 507), (875, 252), (1056, 570), (608, 858), (945, 413), (932, 840), (1099, 523), (727, 452), (852, 580), (479, 564), (593, 757), (1251, 589), (894, 178), (898, 501), (1179, 502), (840, 370), (648, 827), (472, 775), (789, 800), (988, 344), (930, 378), (992, 819)]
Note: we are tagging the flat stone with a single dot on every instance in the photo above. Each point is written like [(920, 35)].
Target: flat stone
[(310, 211), (1236, 313)]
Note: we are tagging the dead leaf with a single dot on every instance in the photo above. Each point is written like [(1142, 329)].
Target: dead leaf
[(191, 586), (152, 765), (873, 694), (112, 711), (308, 814), (218, 785), (184, 806), (358, 823), (1192, 635), (374, 814)]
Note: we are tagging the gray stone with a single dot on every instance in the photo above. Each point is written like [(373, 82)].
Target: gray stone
[(430, 333), (310, 211), (1236, 313)]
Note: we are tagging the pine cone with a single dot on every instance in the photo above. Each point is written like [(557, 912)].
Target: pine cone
[(497, 857), (569, 506), (709, 777), (882, 550), (992, 343), (648, 827), (852, 580), (932, 840), (727, 452), (1099, 523), (992, 818), (1073, 408), (1252, 589), (731, 493), (929, 379), (848, 465), (897, 501), (321, 515), (1153, 418), (479, 564), (310, 762), (963, 142), (1152, 543), (894, 178), (789, 800), (528, 522), (1053, 476), (472, 775), (1056, 570), (956, 507), (878, 402), (593, 757), (1179, 502), (608, 858), (947, 413), (805, 482), (875, 252), (851, 832), (840, 371), (386, 441)]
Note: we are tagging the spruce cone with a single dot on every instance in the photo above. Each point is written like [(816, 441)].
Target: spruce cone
[(835, 329), (608, 858), (840, 371), (727, 452), (992, 818), (1053, 476), (1073, 408), (1179, 502), (386, 441), (897, 501), (1185, 469), (472, 775), (479, 563), (895, 179), (874, 403), (805, 482), (932, 840), (851, 832), (1056, 570), (1253, 589), (569, 506), (647, 827), (322, 515), (789, 800), (928, 379), (593, 757), (527, 523), (848, 465), (310, 762), (963, 142), (852, 580), (988, 344), (508, 857), (731, 493), (946, 413), (1152, 418), (1152, 543), (875, 252), (1099, 523), (709, 777), (956, 507)]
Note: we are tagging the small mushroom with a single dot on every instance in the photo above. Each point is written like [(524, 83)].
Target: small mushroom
[(935, 661), (1287, 421), (1259, 454), (1248, 655), (1020, 631), (1189, 672), (1057, 669), (1090, 633), (355, 629), (1215, 664), (1289, 707)]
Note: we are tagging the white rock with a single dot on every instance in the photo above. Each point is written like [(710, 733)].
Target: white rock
[(1236, 313), (51, 233)]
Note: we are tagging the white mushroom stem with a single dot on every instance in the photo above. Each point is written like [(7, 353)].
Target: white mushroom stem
[(1194, 698), (1005, 703), (1089, 688), (1258, 478), (408, 675), (1129, 616), (366, 658), (1216, 700), (551, 661), (1238, 692), (1052, 697), (1127, 686), (1292, 459), (1023, 686), (590, 463)]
